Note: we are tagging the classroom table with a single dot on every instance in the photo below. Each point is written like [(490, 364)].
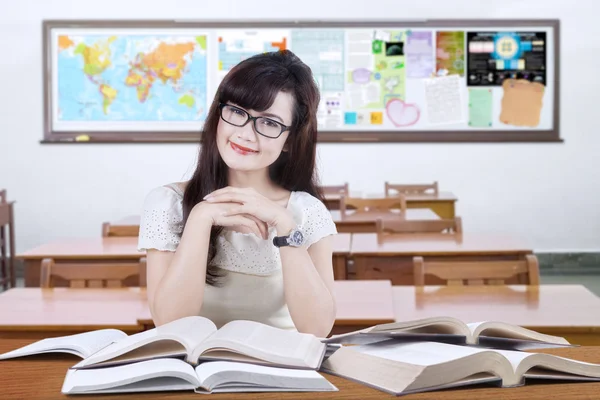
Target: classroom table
[(40, 313), (121, 249), (87, 250), (570, 311), (41, 377), (365, 221), (443, 204), (390, 256)]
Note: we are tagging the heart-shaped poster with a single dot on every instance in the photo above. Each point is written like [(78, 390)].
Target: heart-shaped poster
[(401, 113)]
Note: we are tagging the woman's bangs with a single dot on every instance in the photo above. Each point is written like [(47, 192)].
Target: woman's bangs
[(251, 89)]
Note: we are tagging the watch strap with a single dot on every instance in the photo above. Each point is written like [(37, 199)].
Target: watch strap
[(280, 241)]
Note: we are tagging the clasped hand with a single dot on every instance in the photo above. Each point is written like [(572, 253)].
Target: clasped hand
[(246, 208)]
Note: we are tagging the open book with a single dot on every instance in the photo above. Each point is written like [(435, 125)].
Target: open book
[(208, 377), (401, 368), (451, 330), (193, 339)]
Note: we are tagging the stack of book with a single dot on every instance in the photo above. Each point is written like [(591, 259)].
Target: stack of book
[(189, 354), (439, 353), (245, 356)]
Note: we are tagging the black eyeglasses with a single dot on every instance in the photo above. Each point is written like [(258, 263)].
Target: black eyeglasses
[(265, 126)]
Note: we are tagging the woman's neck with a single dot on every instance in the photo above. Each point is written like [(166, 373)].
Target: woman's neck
[(258, 180)]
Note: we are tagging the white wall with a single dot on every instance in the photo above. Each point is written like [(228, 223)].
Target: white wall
[(547, 193)]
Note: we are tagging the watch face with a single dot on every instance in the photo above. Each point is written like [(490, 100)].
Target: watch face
[(297, 238)]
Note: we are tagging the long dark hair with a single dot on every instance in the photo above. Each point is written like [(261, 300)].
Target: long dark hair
[(253, 84)]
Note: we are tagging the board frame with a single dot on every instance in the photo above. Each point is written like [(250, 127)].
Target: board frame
[(338, 136)]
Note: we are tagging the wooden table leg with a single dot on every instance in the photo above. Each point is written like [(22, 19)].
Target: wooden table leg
[(339, 267)]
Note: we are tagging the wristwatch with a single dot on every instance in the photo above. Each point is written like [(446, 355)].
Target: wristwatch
[(294, 239)]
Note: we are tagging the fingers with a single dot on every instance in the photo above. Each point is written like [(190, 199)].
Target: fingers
[(242, 220), (264, 228), (240, 198)]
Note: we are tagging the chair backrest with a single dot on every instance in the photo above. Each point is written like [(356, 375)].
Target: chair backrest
[(2, 196), (92, 275), (109, 230), (335, 189), (457, 273), (451, 225), (421, 188), (375, 204)]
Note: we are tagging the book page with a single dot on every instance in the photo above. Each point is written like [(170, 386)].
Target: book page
[(188, 331), (510, 331), (445, 325), (83, 380), (223, 374), (82, 344), (265, 342), (420, 353)]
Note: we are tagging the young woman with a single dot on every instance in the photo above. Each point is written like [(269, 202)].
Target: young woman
[(247, 237)]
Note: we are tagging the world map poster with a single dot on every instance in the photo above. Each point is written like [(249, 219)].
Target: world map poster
[(133, 80)]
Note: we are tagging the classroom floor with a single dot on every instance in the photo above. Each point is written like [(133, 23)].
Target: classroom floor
[(592, 282)]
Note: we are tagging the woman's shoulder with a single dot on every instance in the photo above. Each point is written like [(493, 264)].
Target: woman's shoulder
[(305, 200), (165, 196)]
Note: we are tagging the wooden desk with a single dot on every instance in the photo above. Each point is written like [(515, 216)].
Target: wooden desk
[(88, 250), (443, 204), (41, 377), (391, 258), (40, 313), (341, 252), (361, 304), (119, 249), (365, 222), (570, 311)]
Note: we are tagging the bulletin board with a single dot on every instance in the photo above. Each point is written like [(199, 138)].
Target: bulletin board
[(380, 81)]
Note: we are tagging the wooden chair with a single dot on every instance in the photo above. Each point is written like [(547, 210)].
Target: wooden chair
[(411, 189), (109, 230), (456, 273), (384, 204), (91, 275), (453, 225), (7, 242), (333, 189)]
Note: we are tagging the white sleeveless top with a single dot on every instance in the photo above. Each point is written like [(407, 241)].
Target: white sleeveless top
[(252, 288)]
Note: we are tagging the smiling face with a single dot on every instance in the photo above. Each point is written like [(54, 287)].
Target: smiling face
[(241, 147)]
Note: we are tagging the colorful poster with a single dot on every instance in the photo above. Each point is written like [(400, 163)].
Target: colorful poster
[(376, 70), (480, 108), (443, 99), (420, 62), (323, 51), (496, 56), (237, 45), (450, 53), (129, 82), (522, 102)]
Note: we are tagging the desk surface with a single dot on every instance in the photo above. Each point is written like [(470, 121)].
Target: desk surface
[(441, 196), (41, 377), (352, 216), (119, 247), (27, 310), (436, 244), (96, 247), (35, 310), (565, 307)]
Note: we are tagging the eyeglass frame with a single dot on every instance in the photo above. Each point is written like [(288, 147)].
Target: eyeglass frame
[(253, 119)]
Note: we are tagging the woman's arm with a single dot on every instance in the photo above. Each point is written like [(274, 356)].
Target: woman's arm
[(176, 279), (308, 283)]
